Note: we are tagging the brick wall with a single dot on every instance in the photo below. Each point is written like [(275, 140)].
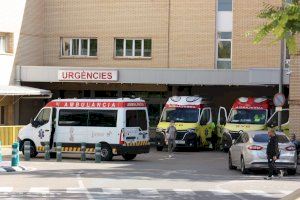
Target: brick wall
[(294, 99), (244, 53)]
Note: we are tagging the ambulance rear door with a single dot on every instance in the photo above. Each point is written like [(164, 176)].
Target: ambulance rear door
[(136, 131)]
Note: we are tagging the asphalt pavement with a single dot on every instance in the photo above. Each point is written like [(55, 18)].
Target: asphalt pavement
[(189, 175)]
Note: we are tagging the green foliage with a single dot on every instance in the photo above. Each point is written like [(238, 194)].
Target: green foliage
[(283, 22)]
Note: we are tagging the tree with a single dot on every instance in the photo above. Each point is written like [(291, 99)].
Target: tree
[(283, 22)]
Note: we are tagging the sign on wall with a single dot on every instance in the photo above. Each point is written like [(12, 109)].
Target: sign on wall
[(87, 75)]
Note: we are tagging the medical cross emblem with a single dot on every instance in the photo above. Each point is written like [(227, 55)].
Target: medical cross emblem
[(41, 133)]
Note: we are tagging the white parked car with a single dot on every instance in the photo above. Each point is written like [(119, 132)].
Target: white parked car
[(249, 152)]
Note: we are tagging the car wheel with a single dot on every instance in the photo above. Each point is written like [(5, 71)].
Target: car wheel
[(159, 148), (128, 157), (243, 168), (106, 152), (291, 171), (33, 152), (230, 166)]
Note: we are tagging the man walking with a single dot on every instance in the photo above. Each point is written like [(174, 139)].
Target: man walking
[(272, 154), (170, 138)]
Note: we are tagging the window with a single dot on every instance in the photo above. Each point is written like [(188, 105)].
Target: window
[(2, 114), (103, 118), (205, 118), (79, 47), (224, 5), (224, 50), (2, 44), (44, 116), (136, 118), (264, 138), (73, 118), (133, 48)]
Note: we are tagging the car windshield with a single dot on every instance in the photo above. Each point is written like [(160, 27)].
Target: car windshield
[(186, 115), (264, 138), (247, 116)]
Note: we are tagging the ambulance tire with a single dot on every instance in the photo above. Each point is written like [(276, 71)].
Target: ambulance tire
[(159, 148), (128, 157), (33, 152), (106, 152)]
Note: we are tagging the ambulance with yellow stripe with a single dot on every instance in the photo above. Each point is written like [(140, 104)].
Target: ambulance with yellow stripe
[(193, 121), (120, 125), (246, 114)]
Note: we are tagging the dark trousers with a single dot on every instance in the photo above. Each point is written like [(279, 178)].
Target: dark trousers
[(272, 167)]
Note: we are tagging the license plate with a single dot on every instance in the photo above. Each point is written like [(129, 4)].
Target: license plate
[(179, 142)]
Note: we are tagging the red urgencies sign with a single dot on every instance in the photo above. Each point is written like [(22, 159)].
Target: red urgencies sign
[(183, 106), (94, 104), (251, 104), (87, 75)]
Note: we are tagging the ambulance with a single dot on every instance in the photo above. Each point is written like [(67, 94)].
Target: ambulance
[(193, 121), (247, 114), (120, 125)]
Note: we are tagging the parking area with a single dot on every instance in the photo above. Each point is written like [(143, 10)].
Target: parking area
[(188, 175)]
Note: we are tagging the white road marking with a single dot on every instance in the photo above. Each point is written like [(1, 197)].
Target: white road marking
[(81, 188), (258, 193), (148, 191), (286, 192), (112, 191), (6, 189), (2, 170), (76, 190), (40, 190), (220, 192), (184, 191)]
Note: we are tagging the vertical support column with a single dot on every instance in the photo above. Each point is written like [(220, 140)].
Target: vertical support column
[(47, 151), (58, 152), (98, 152), (27, 150), (15, 160), (83, 149)]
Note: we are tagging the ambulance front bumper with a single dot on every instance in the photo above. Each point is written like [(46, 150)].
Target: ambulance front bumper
[(121, 150)]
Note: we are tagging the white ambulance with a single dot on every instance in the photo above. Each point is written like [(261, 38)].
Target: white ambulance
[(120, 125)]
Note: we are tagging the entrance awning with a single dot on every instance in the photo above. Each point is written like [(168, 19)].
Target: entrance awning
[(16, 90)]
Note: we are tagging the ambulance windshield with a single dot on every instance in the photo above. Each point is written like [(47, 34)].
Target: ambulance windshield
[(247, 116), (185, 115)]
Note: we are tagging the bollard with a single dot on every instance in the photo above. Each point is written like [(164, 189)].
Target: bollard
[(58, 152), (83, 149), (98, 153), (47, 151), (27, 150), (0, 151), (15, 160)]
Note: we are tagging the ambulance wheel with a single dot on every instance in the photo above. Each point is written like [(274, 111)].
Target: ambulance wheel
[(129, 156), (291, 171), (106, 152), (33, 152), (159, 148)]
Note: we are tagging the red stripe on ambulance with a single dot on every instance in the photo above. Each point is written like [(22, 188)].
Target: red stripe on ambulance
[(94, 104)]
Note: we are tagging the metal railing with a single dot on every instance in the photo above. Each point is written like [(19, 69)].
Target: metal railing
[(9, 134)]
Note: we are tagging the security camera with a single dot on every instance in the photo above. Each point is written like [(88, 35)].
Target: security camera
[(288, 72)]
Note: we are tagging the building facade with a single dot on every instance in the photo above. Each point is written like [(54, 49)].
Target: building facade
[(142, 48)]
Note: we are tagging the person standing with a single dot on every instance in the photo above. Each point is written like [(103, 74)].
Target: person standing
[(272, 154), (170, 138)]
